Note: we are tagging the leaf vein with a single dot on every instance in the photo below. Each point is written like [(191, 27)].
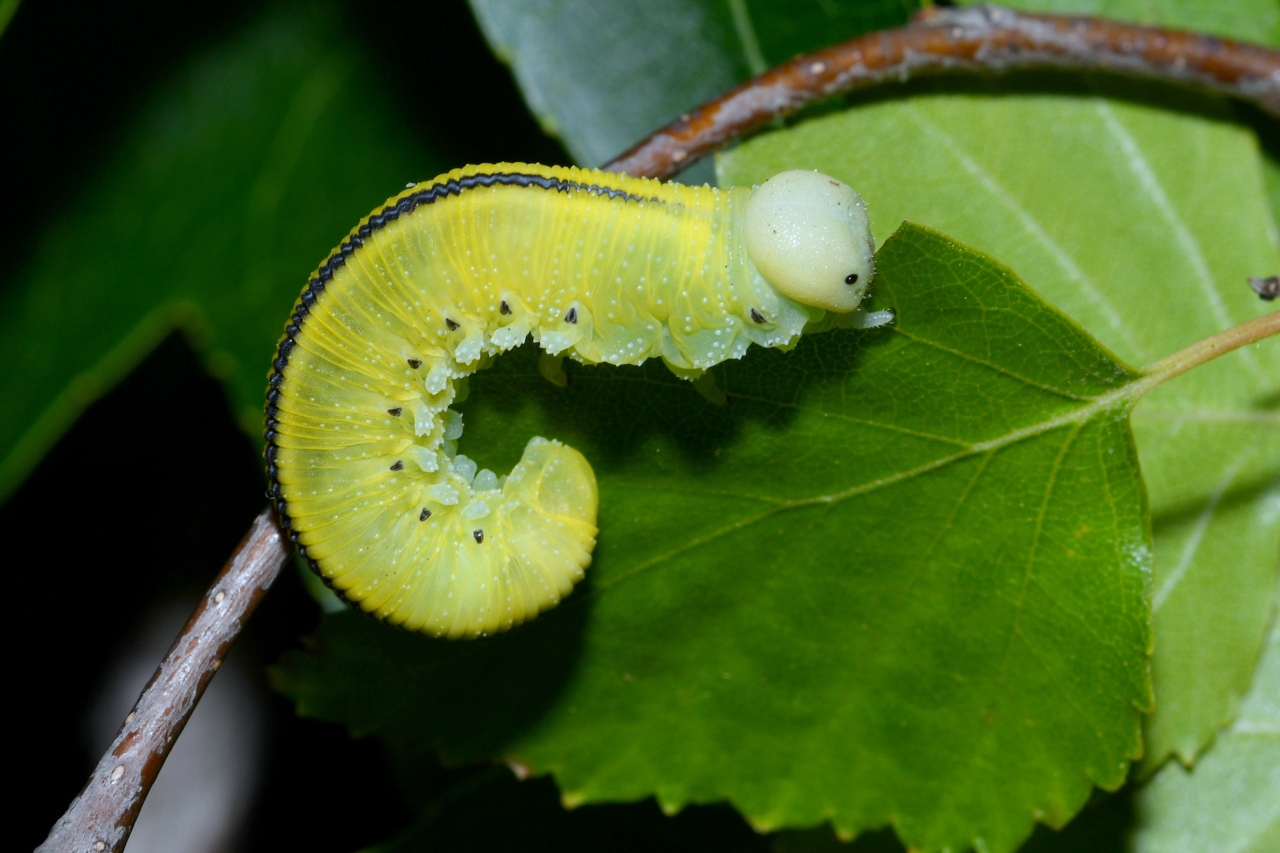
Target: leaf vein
[(973, 359), (1015, 628), (1194, 541), (1187, 241), (1032, 225)]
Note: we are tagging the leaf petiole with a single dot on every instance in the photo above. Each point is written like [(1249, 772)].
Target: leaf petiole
[(1203, 351)]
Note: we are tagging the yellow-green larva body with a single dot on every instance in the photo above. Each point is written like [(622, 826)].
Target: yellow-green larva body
[(361, 440)]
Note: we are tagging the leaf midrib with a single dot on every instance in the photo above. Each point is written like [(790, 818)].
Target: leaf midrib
[(1123, 396)]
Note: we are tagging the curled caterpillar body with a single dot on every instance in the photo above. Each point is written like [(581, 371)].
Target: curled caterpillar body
[(360, 437)]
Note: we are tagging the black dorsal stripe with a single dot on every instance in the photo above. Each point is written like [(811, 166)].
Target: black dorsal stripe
[(338, 258), (432, 194)]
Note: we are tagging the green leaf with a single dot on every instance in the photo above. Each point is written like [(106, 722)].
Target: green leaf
[(1231, 799), (602, 75), (901, 577), (7, 10), (1247, 20), (234, 183), (1114, 211)]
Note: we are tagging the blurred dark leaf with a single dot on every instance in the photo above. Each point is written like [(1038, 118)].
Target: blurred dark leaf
[(602, 75), (234, 184), (7, 10)]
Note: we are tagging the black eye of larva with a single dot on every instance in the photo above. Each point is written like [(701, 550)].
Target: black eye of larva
[(479, 536), (851, 278)]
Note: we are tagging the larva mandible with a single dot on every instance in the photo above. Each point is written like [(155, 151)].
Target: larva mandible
[(360, 438)]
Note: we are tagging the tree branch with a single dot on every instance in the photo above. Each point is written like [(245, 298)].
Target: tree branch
[(976, 38), (101, 818)]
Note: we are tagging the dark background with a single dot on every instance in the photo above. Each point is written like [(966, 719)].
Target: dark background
[(144, 499)]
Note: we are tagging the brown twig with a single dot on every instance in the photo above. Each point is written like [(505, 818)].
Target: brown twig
[(976, 38), (101, 818)]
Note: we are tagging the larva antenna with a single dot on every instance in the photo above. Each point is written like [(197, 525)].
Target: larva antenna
[(808, 235)]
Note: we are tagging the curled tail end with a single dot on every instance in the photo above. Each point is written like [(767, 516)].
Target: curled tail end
[(503, 554)]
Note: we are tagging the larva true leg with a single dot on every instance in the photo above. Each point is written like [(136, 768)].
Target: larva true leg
[(706, 386), (552, 369)]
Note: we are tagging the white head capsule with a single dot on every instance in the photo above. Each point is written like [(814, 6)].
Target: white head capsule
[(808, 235)]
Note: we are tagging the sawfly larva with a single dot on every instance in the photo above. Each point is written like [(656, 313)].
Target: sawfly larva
[(360, 438)]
